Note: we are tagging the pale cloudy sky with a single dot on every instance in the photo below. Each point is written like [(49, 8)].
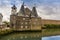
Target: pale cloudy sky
[(47, 9)]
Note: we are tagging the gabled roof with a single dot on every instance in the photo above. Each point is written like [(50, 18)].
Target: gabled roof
[(27, 11)]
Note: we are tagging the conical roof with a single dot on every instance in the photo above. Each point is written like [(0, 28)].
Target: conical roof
[(22, 10), (34, 12), (14, 7)]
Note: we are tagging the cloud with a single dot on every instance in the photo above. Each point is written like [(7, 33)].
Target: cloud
[(5, 12), (5, 8), (47, 9)]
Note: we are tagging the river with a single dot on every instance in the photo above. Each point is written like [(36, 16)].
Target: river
[(51, 38), (51, 34), (34, 35), (22, 36)]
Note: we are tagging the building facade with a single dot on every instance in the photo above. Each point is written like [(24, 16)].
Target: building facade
[(1, 17), (25, 19), (49, 21)]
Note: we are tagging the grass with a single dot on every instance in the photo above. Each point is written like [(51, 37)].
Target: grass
[(3, 32), (50, 32)]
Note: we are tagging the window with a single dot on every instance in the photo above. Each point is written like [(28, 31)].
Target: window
[(26, 26), (27, 16), (25, 22), (21, 22), (21, 26), (23, 18)]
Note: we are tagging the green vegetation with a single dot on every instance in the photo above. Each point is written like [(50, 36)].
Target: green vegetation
[(11, 31), (51, 26), (50, 32), (7, 23), (4, 32), (17, 35), (22, 36)]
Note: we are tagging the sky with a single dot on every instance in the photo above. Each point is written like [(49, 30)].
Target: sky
[(47, 9)]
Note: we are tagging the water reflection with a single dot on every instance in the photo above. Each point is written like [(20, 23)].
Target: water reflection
[(23, 36), (51, 38)]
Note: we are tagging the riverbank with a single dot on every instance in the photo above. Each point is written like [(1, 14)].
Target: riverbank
[(45, 32), (10, 31), (2, 32), (50, 32), (16, 35)]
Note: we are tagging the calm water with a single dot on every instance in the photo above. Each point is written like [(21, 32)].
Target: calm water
[(22, 36), (51, 38)]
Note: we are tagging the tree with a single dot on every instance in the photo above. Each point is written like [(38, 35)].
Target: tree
[(7, 23)]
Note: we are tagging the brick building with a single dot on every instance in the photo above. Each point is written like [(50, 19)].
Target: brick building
[(1, 17), (25, 19)]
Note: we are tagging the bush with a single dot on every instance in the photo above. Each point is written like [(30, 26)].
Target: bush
[(51, 26), (3, 32)]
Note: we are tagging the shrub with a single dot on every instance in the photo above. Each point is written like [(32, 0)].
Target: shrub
[(51, 26)]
